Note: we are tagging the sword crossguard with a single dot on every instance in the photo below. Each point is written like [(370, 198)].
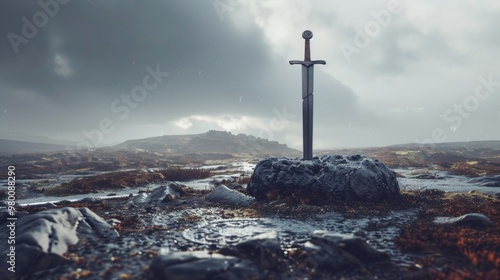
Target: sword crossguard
[(307, 63)]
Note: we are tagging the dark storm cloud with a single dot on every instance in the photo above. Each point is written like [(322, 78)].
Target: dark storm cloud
[(91, 53)]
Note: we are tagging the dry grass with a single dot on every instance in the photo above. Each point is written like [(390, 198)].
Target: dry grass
[(126, 179), (455, 252), (184, 174), (108, 181)]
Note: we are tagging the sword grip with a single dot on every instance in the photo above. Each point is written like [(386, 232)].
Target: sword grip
[(307, 50)]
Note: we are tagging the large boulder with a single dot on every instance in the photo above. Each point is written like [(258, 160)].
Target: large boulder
[(324, 179), (42, 238)]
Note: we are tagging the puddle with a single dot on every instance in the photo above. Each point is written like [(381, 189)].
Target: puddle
[(378, 231)]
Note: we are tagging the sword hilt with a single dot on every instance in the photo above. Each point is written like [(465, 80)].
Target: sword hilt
[(307, 35)]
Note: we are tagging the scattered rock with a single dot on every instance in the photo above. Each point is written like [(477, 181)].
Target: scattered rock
[(486, 181), (159, 195), (64, 201), (48, 205), (42, 238), (428, 176), (472, 219), (337, 252), (236, 186), (202, 265), (223, 194), (263, 249), (92, 200), (323, 179)]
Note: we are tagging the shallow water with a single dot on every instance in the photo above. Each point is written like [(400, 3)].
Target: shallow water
[(378, 231), (448, 183)]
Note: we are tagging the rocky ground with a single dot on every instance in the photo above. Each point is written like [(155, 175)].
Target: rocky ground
[(181, 234), (178, 232)]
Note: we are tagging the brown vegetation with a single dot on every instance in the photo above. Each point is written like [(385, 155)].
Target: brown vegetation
[(455, 252), (126, 179), (184, 174)]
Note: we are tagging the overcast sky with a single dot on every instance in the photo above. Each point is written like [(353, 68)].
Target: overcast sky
[(112, 70)]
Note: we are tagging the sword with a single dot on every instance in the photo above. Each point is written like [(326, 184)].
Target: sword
[(307, 94)]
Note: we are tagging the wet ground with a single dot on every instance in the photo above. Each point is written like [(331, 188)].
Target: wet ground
[(191, 224)]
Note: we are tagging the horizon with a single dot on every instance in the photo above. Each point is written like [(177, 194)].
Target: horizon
[(397, 71), (298, 149)]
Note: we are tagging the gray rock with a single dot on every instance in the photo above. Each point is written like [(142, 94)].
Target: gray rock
[(159, 195), (338, 252), (92, 200), (263, 249), (472, 219), (486, 181), (202, 265), (48, 205), (42, 238), (64, 202), (236, 186), (428, 176), (351, 244), (223, 194), (323, 179)]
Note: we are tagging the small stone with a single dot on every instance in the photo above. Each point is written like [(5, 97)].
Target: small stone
[(91, 200), (263, 249), (223, 194), (202, 265), (158, 195), (472, 219)]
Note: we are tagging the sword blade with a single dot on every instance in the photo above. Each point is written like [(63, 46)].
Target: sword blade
[(307, 109), (307, 80), (307, 123)]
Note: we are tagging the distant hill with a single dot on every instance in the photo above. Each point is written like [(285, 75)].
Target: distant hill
[(8, 147), (475, 158), (209, 142)]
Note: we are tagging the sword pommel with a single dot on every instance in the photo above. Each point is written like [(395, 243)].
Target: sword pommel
[(307, 34)]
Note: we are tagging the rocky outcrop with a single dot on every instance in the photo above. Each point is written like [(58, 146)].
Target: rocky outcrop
[(324, 179), (472, 219), (42, 238), (224, 195)]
